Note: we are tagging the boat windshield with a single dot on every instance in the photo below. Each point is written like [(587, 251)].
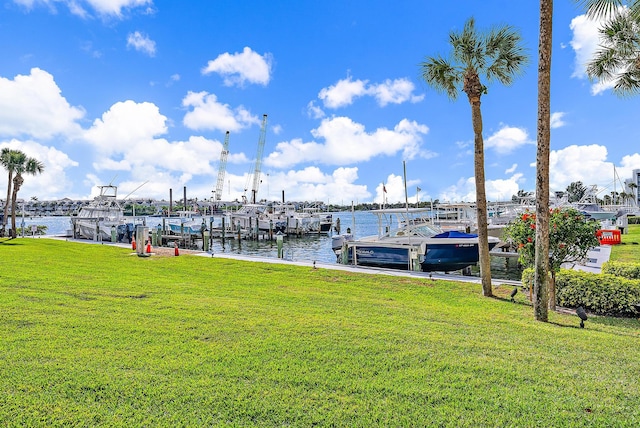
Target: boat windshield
[(423, 229)]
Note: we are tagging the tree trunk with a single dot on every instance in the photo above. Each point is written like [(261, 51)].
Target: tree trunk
[(7, 203), (473, 88), (552, 291), (540, 289), (17, 183)]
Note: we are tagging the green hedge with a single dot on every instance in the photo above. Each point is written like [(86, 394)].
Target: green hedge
[(625, 270), (633, 219), (603, 293)]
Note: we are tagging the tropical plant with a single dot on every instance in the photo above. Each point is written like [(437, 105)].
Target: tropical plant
[(576, 191), (9, 159), (495, 55), (617, 61), (570, 238), (24, 165)]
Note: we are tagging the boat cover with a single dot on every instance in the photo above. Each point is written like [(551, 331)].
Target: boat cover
[(455, 234)]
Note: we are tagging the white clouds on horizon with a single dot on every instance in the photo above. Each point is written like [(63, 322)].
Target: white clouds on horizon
[(241, 67)]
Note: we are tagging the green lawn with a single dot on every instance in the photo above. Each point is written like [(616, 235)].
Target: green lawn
[(93, 336), (629, 250)]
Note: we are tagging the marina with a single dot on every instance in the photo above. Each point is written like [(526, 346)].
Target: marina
[(307, 248)]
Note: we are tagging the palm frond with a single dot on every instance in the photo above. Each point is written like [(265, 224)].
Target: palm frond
[(507, 55), (441, 75), (600, 8), (627, 83), (617, 59), (468, 46)]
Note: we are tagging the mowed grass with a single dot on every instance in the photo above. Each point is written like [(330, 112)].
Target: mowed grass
[(629, 250), (93, 336)]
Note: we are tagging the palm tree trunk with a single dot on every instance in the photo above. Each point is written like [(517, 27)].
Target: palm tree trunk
[(552, 291), (540, 288), (17, 183), (7, 203), (481, 197)]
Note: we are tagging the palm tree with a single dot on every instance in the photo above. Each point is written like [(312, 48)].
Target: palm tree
[(618, 59), (30, 166), (541, 300), (9, 159), (496, 55)]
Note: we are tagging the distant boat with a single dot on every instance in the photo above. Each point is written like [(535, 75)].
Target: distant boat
[(411, 245), (101, 217)]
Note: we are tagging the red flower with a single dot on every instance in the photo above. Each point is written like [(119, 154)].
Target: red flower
[(529, 239)]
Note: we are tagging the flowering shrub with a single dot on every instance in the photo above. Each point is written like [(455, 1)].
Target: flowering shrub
[(570, 237)]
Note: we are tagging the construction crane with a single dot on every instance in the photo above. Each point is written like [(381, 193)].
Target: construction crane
[(256, 171), (222, 167)]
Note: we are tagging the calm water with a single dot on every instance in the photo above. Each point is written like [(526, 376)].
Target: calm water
[(309, 248)]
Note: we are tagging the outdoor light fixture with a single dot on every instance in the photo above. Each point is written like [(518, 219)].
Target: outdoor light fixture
[(513, 293), (582, 314)]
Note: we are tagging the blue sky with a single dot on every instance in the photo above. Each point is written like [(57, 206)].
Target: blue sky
[(143, 91)]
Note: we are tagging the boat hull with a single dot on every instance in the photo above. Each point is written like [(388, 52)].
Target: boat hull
[(389, 257), (450, 257)]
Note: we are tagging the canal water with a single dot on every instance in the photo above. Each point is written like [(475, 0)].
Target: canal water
[(307, 248)]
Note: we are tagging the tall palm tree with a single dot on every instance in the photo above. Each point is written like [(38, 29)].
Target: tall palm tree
[(30, 166), (9, 159), (541, 300), (494, 55)]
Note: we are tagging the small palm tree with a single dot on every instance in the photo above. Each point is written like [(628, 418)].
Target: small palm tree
[(496, 55), (26, 165), (9, 159)]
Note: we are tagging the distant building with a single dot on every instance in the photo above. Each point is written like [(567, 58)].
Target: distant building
[(632, 184)]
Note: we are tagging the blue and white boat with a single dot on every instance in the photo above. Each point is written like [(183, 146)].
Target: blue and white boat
[(408, 244)]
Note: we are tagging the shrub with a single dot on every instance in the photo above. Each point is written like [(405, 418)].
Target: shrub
[(625, 270), (603, 293)]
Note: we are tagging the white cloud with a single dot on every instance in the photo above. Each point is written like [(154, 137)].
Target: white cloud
[(32, 105), (125, 125), (397, 91), (394, 185), (239, 68), (114, 7), (585, 43), (314, 111), (347, 142), (512, 169), (209, 114), (345, 91), (141, 43), (557, 119), (106, 8), (508, 139), (342, 93), (496, 190)]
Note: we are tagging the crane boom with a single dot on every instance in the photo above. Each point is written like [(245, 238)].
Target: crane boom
[(256, 172), (222, 167)]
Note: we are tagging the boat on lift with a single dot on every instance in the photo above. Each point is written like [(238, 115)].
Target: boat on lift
[(410, 243)]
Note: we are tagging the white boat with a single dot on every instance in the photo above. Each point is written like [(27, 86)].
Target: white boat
[(252, 217), (411, 245), (99, 219)]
